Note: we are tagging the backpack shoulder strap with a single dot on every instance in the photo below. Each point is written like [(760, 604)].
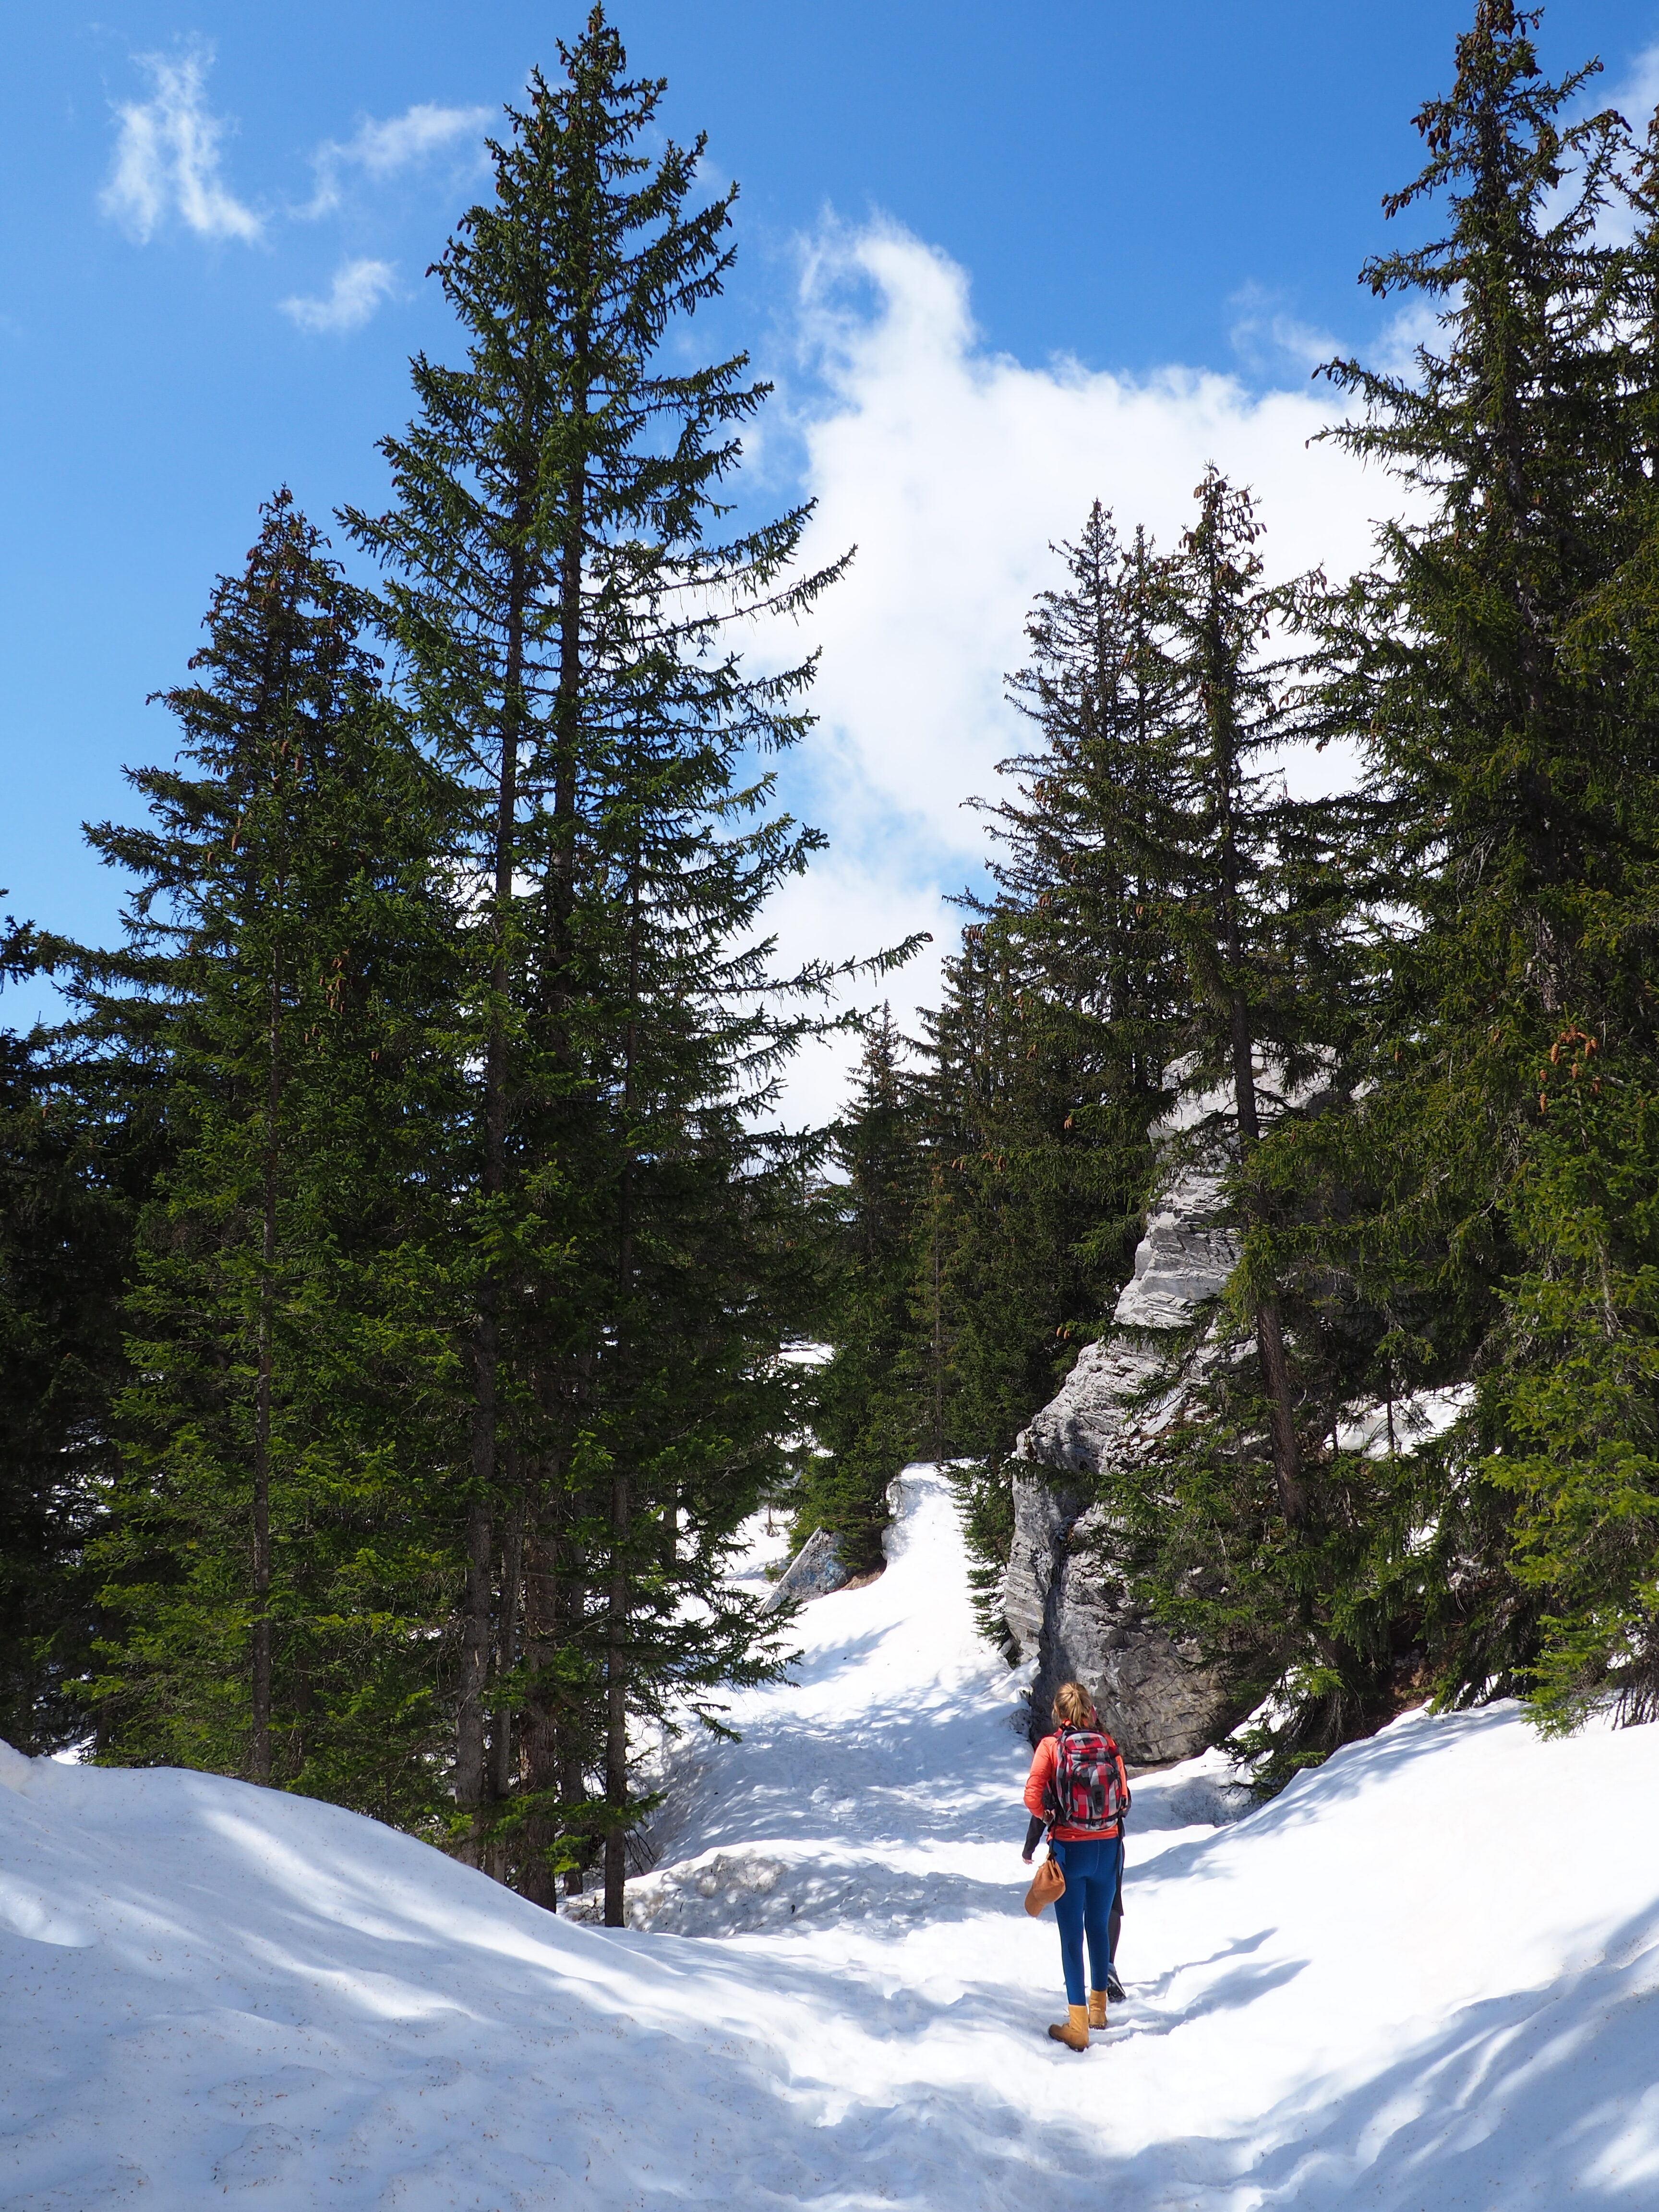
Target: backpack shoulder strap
[(1051, 1786)]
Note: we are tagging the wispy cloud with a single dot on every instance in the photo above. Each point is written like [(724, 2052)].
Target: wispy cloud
[(1637, 94), (358, 288), (382, 148), (166, 158), (1267, 339), (1395, 350)]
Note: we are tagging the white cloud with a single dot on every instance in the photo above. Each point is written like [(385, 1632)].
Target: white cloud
[(358, 288), (166, 158), (382, 148), (1418, 323), (954, 468), (1634, 96), (1263, 336), (1637, 95), (850, 905)]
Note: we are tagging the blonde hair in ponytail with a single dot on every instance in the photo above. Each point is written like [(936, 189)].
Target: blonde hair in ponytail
[(1073, 1706)]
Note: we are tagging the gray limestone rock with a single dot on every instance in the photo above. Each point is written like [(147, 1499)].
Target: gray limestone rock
[(815, 1570), (1061, 1599)]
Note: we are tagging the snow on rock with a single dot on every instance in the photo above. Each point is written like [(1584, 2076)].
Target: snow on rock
[(1425, 1978)]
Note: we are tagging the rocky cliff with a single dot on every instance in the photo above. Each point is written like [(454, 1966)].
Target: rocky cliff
[(1061, 1601)]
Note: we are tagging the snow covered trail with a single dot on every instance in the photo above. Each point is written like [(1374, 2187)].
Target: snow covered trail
[(1427, 1976)]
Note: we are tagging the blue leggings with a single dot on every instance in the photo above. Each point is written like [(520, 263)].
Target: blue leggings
[(1090, 1871)]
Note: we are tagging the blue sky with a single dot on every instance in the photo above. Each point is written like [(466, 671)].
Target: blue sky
[(999, 260)]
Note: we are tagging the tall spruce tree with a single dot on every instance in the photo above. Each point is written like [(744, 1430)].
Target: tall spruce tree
[(1045, 1058), (70, 1178), (1076, 846), (274, 1565), (1074, 856), (1577, 1396), (1017, 1232), (1248, 898), (865, 1419), (1488, 667), (1237, 934), (1025, 1224), (561, 598)]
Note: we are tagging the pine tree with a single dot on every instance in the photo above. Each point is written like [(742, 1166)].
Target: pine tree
[(1241, 908), (560, 599), (1025, 1228), (68, 1180), (1076, 847), (698, 1235), (1031, 1196), (275, 1560), (1044, 1064), (1250, 901), (864, 1421), (1487, 672), (1577, 1399)]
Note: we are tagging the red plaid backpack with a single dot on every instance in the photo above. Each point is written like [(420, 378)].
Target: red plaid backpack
[(1089, 1790)]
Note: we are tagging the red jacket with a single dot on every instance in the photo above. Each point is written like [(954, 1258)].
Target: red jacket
[(1036, 1785)]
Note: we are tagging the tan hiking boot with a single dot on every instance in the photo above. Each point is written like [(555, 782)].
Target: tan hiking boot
[(1096, 2008), (1074, 2030)]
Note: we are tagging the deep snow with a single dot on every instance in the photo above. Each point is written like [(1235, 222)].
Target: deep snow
[(1423, 1978)]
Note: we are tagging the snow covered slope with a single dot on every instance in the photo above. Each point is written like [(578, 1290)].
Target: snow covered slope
[(1426, 1976)]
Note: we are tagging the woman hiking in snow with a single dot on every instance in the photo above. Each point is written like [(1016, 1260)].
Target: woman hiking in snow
[(1079, 1791)]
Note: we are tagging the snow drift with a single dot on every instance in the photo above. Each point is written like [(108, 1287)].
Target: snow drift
[(1423, 1978)]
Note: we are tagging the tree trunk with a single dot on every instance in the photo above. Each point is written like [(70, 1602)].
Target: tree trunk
[(1275, 1367), (616, 1707), (572, 1783), (260, 1747), (471, 1776), (550, 1765), (554, 1741), (938, 1340), (1269, 1329), (542, 1745), (501, 1718), (1221, 711), (616, 1655)]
